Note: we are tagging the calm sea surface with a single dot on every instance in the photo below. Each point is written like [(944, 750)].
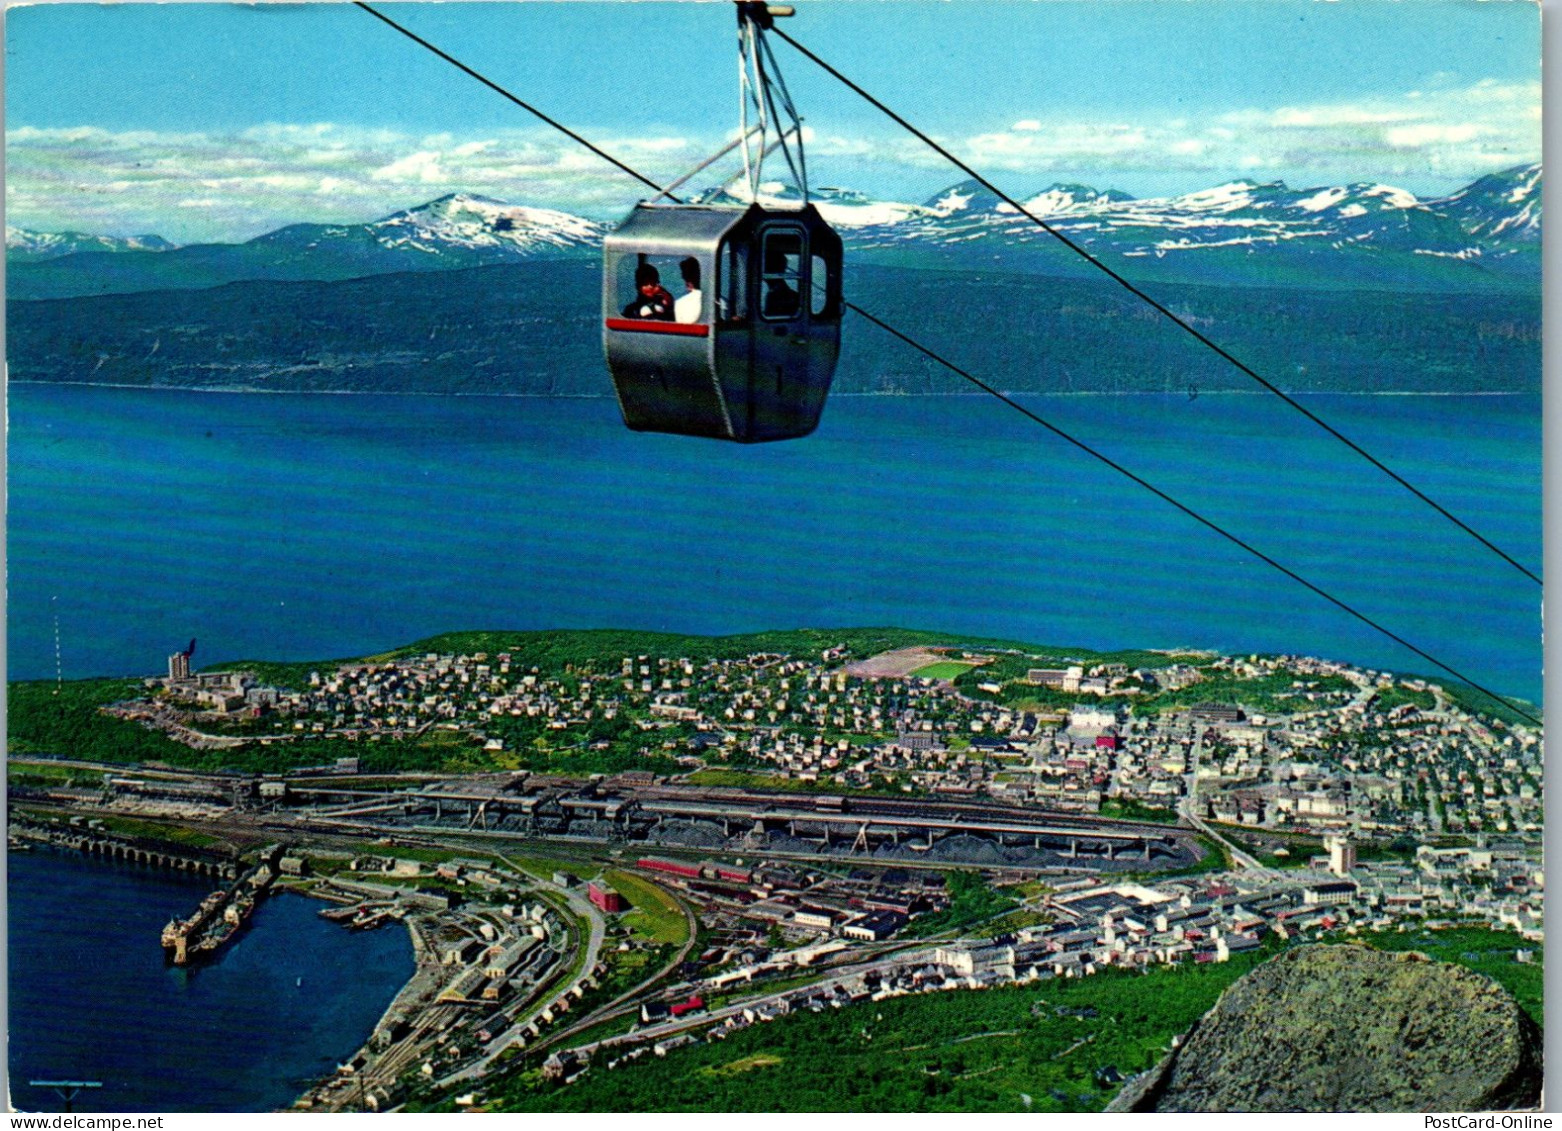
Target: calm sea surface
[(296, 526), (90, 996)]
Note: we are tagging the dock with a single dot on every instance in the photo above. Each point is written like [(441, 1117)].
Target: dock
[(222, 913)]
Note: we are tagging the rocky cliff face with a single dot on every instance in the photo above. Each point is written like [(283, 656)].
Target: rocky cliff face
[(1348, 1028)]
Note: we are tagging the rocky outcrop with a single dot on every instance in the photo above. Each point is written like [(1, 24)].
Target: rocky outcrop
[(1349, 1028)]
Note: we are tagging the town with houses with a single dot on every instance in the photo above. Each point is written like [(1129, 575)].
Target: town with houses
[(1186, 808), (1336, 748)]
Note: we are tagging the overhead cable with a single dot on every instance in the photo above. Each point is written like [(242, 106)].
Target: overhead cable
[(1162, 309), (1008, 400)]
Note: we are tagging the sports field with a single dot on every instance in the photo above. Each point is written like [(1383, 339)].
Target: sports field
[(944, 669)]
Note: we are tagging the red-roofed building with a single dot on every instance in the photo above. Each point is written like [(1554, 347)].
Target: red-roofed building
[(604, 897), (694, 1003)]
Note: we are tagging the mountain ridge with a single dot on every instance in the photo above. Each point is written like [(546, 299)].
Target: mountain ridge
[(1241, 232), (534, 327)]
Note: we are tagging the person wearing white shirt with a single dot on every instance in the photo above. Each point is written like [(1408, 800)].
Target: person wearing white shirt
[(687, 308)]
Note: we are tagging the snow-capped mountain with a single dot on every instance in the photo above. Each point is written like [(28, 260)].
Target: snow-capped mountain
[(476, 222), (454, 231), (1502, 206), (24, 246), (1237, 233), (841, 207), (462, 227), (1065, 200), (1237, 213), (967, 196)]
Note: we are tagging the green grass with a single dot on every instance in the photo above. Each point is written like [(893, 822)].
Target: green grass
[(756, 779), (551, 651), (158, 830), (1013, 921), (1477, 704), (1131, 810), (944, 669), (1401, 849), (543, 867), (657, 917), (914, 1053), (742, 1065), (971, 900), (624, 971), (1029, 889), (1299, 847), (1390, 697), (20, 772), (63, 719), (967, 1050), (611, 1027)]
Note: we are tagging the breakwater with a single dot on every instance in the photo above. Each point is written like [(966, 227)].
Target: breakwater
[(91, 995), (79, 835)]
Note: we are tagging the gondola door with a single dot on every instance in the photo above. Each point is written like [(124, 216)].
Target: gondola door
[(780, 374)]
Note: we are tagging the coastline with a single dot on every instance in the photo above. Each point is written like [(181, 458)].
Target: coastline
[(419, 946), (208, 1002)]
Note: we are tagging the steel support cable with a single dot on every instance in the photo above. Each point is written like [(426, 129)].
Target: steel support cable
[(1011, 402), (499, 90), (1160, 308), (1187, 510)]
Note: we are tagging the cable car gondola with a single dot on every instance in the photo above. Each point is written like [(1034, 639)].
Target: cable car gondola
[(749, 352)]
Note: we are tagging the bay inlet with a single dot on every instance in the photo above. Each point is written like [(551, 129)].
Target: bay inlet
[(92, 998)]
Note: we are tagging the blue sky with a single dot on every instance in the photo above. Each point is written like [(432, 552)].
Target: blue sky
[(221, 122)]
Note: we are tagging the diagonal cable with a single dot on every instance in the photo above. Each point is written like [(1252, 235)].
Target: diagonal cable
[(497, 89), (1160, 308), (1184, 508), (1011, 402)]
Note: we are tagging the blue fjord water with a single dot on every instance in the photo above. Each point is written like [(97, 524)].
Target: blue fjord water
[(298, 526), (294, 527), (91, 997)]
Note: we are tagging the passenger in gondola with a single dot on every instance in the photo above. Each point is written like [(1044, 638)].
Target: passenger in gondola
[(687, 308), (780, 296), (652, 303)]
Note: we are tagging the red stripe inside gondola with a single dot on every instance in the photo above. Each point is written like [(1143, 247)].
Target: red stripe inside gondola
[(646, 326)]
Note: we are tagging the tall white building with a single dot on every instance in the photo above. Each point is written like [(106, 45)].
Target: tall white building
[(1342, 855)]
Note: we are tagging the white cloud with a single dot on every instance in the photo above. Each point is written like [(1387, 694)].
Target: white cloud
[(190, 186), (1429, 133), (1335, 116), (194, 186), (419, 168)]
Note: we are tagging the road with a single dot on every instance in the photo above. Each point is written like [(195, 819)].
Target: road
[(617, 1005), (586, 912), (1188, 810), (697, 1020)]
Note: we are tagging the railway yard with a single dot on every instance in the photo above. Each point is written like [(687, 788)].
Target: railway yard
[(561, 925)]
